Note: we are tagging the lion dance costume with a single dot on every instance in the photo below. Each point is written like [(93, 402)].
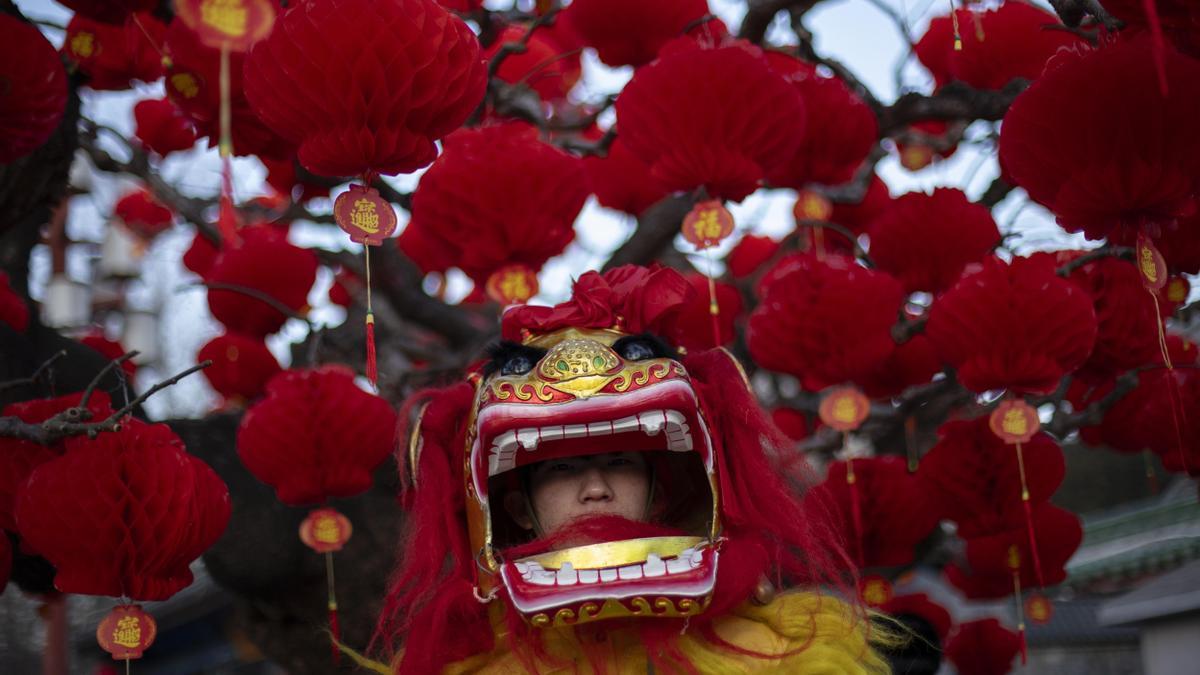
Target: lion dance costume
[(691, 591)]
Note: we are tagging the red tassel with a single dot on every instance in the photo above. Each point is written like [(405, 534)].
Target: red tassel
[(335, 629), (1033, 547), (372, 371), (855, 510)]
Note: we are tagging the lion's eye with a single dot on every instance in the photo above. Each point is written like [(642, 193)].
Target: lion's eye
[(518, 364), (635, 350)]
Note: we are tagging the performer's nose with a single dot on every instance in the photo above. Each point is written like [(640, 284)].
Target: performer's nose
[(594, 488)]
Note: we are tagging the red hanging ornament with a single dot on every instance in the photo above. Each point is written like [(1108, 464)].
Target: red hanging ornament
[(227, 24), (420, 65), (364, 215), (201, 255), (512, 285), (325, 530), (1127, 181), (629, 32), (1013, 326), (242, 366), (316, 435), (123, 514), (923, 142), (823, 321), (707, 224), (927, 240), (858, 216), (674, 115), (839, 131), (34, 92), (267, 264), (793, 423), (498, 196), (126, 632), (162, 127), (910, 364), (1178, 21)]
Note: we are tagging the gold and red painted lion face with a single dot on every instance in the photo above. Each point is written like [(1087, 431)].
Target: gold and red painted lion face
[(581, 392)]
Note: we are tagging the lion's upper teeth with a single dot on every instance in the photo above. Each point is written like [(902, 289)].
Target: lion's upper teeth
[(654, 566), (503, 456)]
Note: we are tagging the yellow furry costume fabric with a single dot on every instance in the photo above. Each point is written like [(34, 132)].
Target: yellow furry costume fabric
[(813, 634)]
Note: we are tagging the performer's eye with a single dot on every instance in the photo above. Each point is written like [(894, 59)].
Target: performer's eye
[(642, 347), (517, 365)]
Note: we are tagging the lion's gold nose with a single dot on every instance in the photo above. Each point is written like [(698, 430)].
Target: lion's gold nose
[(577, 358)]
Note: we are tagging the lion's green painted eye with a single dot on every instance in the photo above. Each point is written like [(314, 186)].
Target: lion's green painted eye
[(562, 365)]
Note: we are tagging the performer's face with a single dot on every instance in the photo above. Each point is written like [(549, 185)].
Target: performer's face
[(561, 490)]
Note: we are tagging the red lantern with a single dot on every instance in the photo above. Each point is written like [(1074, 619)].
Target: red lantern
[(109, 11), (998, 45), (1077, 145), (793, 423), (115, 56), (123, 514), (399, 75), (895, 514), (234, 25), (126, 632), (621, 181), (282, 177), (427, 252), (693, 325), (1142, 419), (1013, 326), (267, 264), (749, 254), (13, 310), (193, 83), (824, 321), (927, 240), (542, 66), (18, 458), (629, 32), (1126, 319), (991, 557), (162, 127), (143, 214), (241, 367), (34, 94), (913, 363), (499, 195), (316, 435), (675, 116), (839, 131), (973, 478), (983, 647), (858, 216), (201, 255), (1178, 242)]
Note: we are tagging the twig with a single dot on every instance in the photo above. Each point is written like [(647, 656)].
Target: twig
[(37, 374), (87, 393), (72, 421), (1124, 252), (955, 101), (265, 298), (1073, 12)]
